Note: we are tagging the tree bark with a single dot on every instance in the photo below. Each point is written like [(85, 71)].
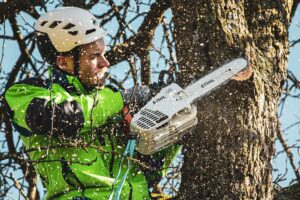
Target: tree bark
[(229, 154), (291, 192)]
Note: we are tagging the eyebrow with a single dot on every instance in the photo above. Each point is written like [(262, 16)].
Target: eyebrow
[(97, 52), (94, 52)]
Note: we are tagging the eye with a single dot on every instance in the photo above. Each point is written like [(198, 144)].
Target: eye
[(97, 55), (93, 56)]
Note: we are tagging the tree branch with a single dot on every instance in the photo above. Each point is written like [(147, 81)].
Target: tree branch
[(25, 53), (294, 42), (288, 152), (294, 7), (12, 7), (142, 40), (76, 3), (291, 192)]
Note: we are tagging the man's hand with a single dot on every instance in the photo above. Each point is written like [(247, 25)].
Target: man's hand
[(127, 117), (136, 97)]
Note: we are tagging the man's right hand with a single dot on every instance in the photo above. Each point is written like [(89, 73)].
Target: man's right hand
[(136, 97)]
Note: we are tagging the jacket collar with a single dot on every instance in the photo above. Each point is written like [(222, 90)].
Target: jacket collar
[(68, 82)]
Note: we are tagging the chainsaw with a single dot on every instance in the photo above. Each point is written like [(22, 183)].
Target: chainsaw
[(170, 113)]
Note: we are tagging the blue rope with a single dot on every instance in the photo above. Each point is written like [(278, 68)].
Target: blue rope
[(128, 150)]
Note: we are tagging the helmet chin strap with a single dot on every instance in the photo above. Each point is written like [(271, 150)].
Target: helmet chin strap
[(76, 55)]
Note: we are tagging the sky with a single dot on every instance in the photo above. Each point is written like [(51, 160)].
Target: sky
[(290, 115), (291, 112)]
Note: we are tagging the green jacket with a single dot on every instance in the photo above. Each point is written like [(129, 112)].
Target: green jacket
[(77, 154)]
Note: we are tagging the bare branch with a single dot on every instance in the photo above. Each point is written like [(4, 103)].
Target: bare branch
[(295, 5), (76, 3), (11, 8), (25, 53), (294, 42), (291, 192), (142, 40), (288, 152), (19, 187)]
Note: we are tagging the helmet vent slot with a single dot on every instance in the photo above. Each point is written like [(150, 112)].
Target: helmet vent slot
[(90, 31), (43, 23), (73, 32), (54, 24), (68, 26)]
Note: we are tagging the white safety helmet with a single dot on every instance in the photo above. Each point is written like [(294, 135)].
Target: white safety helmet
[(69, 27)]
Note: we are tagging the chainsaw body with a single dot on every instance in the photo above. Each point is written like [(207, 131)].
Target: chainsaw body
[(163, 120), (167, 116)]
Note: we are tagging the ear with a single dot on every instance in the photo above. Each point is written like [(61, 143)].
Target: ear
[(65, 63)]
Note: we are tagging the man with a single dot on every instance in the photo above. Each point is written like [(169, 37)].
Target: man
[(65, 119)]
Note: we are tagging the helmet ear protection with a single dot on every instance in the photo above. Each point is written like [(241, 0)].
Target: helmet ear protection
[(49, 53), (46, 48), (63, 31)]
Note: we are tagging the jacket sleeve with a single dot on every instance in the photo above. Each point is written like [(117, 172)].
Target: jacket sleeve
[(57, 112)]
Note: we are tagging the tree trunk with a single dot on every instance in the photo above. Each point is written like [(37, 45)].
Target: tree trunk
[(229, 154)]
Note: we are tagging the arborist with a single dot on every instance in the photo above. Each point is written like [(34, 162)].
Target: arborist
[(71, 121)]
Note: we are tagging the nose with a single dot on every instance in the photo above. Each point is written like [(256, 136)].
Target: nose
[(103, 62)]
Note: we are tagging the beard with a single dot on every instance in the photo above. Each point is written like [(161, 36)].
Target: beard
[(96, 82), (100, 80)]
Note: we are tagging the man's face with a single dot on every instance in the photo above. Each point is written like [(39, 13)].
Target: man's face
[(93, 64)]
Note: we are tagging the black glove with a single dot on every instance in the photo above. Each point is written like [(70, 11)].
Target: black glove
[(136, 97), (156, 87)]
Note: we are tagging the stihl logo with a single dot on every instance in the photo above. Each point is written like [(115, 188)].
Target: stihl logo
[(207, 83), (158, 100)]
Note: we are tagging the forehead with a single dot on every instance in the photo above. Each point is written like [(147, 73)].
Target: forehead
[(97, 46)]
